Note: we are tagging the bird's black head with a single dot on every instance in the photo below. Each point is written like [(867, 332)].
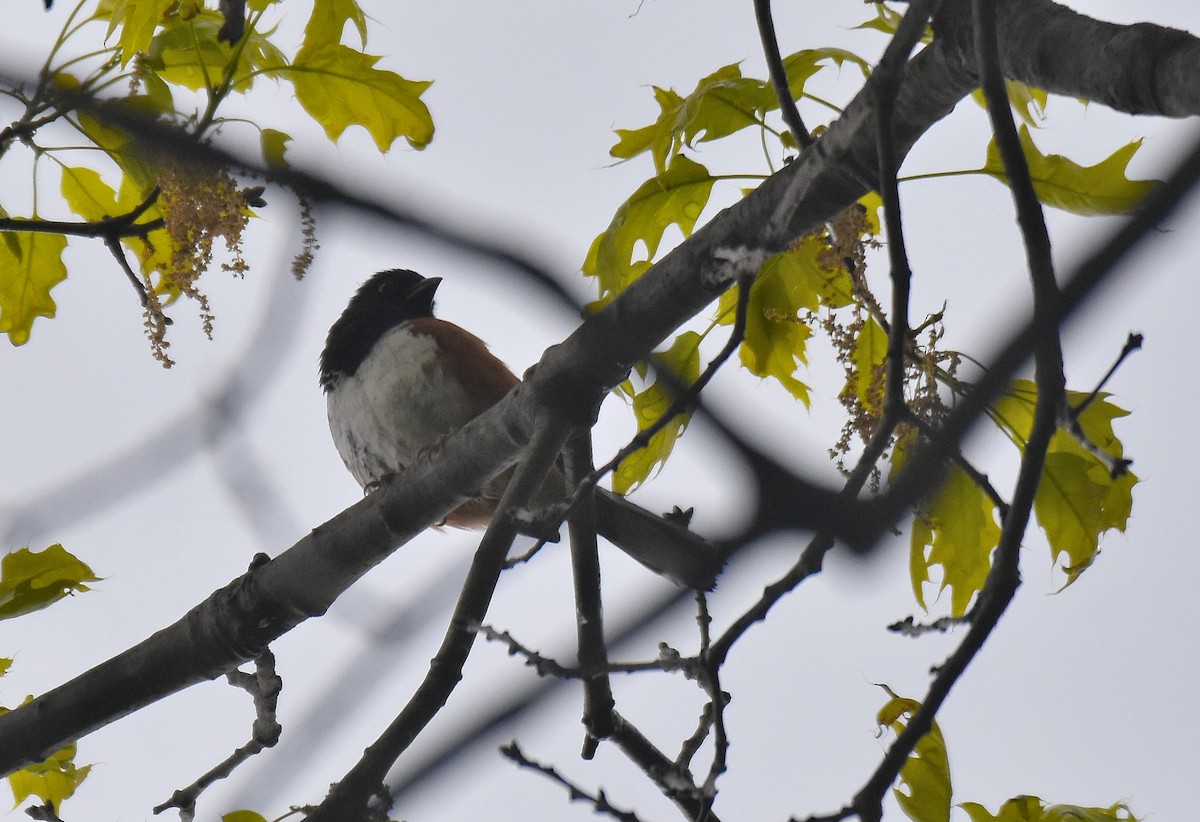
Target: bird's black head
[(380, 304)]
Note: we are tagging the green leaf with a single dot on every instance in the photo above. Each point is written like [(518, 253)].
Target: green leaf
[(274, 144), (789, 286), (328, 21), (1028, 102), (1061, 183), (188, 53), (87, 194), (243, 816), (886, 19), (683, 360), (93, 199), (675, 197), (137, 20), (868, 359), (1078, 500), (722, 103), (31, 581), (53, 780), (26, 276), (1032, 809), (126, 152), (926, 772), (340, 87), (957, 530)]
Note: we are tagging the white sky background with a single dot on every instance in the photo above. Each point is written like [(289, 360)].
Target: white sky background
[(1084, 697)]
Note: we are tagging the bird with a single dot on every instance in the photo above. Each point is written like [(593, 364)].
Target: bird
[(398, 381)]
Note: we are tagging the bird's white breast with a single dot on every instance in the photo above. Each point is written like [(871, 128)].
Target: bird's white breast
[(397, 403)]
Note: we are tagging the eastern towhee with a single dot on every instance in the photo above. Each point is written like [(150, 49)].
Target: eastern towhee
[(398, 381)]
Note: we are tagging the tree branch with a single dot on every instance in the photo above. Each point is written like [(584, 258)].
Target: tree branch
[(598, 701), (779, 78), (352, 797)]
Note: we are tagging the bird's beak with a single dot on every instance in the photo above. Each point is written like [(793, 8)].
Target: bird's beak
[(425, 290)]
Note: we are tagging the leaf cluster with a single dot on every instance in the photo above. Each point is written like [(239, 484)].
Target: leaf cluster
[(29, 582), (820, 284), (168, 61)]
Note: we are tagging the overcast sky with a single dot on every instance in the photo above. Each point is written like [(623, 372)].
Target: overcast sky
[(1082, 697)]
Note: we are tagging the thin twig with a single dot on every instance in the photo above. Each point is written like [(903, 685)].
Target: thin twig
[(264, 686), (598, 701), (666, 662), (976, 476), (112, 230), (685, 396), (599, 801), (779, 78), (1132, 343), (675, 782), (910, 627), (718, 699), (1004, 577), (351, 797)]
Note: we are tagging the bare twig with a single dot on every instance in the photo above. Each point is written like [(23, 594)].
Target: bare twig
[(668, 661), (1004, 576), (1132, 343), (351, 797), (598, 801), (112, 230), (718, 699), (43, 813), (910, 627), (779, 79), (598, 701), (264, 686), (978, 477), (675, 782), (1117, 466)]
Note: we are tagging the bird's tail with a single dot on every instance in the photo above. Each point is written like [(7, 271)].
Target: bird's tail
[(663, 544)]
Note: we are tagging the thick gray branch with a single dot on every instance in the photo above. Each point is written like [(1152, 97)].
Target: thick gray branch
[(1138, 69)]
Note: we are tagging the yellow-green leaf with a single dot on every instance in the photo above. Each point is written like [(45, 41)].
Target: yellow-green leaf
[(274, 144), (1078, 500), (888, 20), (925, 775), (869, 360), (93, 199), (957, 530), (30, 265), (189, 53), (126, 152), (243, 816), (1028, 102), (675, 197), (52, 780), (328, 21), (1032, 809), (340, 87), (1062, 183), (87, 194), (683, 360), (788, 285), (722, 103), (137, 20), (30, 581)]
